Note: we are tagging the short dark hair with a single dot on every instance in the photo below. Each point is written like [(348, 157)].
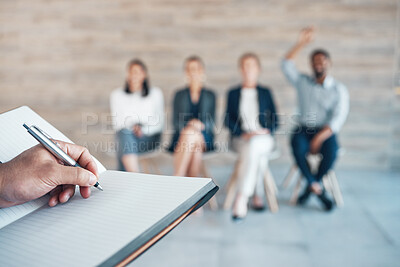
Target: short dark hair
[(145, 85), (319, 51), (249, 55), (193, 58)]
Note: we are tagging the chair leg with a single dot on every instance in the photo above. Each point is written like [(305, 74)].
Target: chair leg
[(154, 166), (145, 165), (289, 176), (231, 187), (213, 204), (271, 177), (269, 185), (337, 194), (327, 184), (203, 170), (296, 191), (213, 201)]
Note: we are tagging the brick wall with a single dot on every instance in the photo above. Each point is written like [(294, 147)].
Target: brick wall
[(63, 58)]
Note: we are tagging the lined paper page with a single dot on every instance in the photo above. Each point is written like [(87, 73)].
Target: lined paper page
[(85, 232), (9, 215), (14, 140)]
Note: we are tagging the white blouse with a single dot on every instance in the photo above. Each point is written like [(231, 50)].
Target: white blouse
[(130, 109), (249, 110)]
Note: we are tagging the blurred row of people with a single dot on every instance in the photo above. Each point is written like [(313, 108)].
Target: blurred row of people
[(138, 108), (251, 116)]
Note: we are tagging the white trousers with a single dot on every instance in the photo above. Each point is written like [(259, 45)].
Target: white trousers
[(253, 157)]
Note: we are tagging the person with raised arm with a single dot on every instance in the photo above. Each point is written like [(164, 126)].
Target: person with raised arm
[(323, 104)]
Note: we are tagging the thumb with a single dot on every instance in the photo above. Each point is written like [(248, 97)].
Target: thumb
[(76, 176)]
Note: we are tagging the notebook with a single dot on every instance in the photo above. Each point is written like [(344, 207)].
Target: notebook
[(110, 228)]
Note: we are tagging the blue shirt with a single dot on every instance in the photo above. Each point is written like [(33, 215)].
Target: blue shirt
[(320, 105)]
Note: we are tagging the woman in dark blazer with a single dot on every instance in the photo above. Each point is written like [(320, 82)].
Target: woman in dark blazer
[(251, 119), (193, 120)]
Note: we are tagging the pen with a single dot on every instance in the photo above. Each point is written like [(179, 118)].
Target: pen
[(53, 148)]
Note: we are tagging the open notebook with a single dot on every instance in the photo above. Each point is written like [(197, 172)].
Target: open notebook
[(111, 227)]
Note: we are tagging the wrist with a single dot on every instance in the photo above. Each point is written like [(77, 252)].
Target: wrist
[(326, 132), (300, 45), (3, 171), (328, 129)]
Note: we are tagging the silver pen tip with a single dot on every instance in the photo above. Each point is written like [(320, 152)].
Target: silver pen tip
[(99, 187)]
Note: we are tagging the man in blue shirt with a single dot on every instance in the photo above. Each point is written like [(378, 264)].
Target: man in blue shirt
[(323, 108)]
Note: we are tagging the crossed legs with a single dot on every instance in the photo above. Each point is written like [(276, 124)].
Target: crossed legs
[(254, 158), (129, 146), (301, 148), (188, 152)]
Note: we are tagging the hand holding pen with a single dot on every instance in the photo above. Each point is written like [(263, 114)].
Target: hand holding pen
[(36, 172), (54, 148)]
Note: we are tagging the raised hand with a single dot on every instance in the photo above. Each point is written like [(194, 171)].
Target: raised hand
[(306, 35)]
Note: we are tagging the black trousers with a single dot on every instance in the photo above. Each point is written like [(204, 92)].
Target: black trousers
[(300, 142)]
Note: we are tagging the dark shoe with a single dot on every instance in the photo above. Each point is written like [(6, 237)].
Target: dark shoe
[(257, 203), (237, 219), (328, 204), (304, 197), (240, 208), (258, 208)]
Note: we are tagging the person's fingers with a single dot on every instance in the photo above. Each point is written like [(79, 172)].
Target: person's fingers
[(53, 200), (67, 192), (85, 191), (81, 155), (74, 176)]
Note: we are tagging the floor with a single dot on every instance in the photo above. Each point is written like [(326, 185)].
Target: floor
[(365, 232)]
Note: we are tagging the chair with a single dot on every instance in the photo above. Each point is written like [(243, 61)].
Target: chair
[(329, 181), (270, 187), (206, 174)]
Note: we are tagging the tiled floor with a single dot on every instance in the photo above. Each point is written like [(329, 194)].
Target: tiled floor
[(365, 232)]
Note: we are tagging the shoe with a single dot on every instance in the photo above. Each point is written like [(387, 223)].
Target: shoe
[(240, 208), (258, 203), (258, 208), (304, 197), (328, 204), (237, 219)]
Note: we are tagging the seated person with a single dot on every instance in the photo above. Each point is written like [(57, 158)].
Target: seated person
[(251, 119), (138, 116), (323, 106), (36, 172), (193, 121)]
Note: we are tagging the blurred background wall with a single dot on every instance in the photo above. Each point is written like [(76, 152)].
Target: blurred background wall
[(63, 58)]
